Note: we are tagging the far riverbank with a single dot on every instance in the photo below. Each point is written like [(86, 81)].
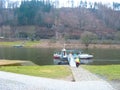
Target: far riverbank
[(49, 44)]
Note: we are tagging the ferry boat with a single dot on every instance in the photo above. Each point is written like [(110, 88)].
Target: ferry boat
[(61, 57)]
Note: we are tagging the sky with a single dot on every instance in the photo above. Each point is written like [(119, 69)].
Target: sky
[(67, 2)]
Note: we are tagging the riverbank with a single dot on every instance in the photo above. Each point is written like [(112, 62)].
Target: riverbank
[(18, 43), (47, 71), (50, 44), (109, 73), (45, 83), (73, 44), (15, 63)]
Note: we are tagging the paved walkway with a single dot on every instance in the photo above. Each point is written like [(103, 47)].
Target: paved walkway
[(11, 81), (81, 74)]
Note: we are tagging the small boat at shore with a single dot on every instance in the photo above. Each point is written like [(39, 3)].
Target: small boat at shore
[(18, 46), (61, 57)]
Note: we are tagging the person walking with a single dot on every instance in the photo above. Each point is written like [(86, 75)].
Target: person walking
[(77, 60), (71, 60)]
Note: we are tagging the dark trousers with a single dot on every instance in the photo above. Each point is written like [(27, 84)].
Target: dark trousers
[(77, 64)]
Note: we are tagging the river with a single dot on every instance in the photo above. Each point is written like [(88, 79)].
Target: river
[(44, 56)]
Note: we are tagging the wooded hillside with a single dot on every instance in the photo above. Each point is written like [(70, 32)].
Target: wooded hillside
[(37, 19)]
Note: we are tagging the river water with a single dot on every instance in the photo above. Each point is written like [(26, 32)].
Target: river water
[(44, 56)]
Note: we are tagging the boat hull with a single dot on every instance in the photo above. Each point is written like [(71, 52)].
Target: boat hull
[(65, 61), (86, 61)]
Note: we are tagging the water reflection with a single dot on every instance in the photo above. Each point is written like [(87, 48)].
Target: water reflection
[(37, 55)]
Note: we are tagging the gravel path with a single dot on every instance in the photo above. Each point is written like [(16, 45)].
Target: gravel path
[(11, 81), (6, 84)]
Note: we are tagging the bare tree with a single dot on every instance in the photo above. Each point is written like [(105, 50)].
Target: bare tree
[(117, 35), (87, 38), (12, 4), (2, 4)]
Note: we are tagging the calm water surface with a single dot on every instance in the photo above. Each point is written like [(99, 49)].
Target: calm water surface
[(44, 56), (36, 55), (105, 56)]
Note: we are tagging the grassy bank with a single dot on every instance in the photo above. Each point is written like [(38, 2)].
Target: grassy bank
[(48, 44), (25, 43), (57, 72), (110, 72)]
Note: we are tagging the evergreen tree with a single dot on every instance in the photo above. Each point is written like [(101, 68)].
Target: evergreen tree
[(28, 11)]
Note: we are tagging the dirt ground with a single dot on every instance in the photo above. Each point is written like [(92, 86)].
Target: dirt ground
[(48, 44)]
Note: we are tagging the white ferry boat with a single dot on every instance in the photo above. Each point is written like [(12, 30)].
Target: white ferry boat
[(61, 57)]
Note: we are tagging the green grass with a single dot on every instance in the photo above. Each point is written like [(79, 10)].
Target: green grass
[(57, 72), (31, 43), (27, 43), (111, 72), (9, 43)]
